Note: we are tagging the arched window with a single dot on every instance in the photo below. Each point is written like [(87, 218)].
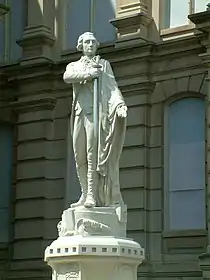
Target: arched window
[(185, 165), (6, 179), (79, 16)]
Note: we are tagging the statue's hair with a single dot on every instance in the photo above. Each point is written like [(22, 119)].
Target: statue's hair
[(80, 40)]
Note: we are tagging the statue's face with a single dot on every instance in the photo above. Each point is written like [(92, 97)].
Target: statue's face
[(89, 45)]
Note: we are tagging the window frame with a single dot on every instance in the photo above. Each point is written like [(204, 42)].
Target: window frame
[(183, 30), (65, 49), (7, 33), (166, 228), (9, 40)]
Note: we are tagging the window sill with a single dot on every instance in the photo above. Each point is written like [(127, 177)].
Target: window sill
[(186, 241), (177, 32), (184, 233)]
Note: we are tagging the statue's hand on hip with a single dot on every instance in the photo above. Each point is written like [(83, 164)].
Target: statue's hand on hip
[(122, 111)]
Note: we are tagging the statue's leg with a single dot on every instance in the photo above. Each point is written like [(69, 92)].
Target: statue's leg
[(79, 146), (92, 176)]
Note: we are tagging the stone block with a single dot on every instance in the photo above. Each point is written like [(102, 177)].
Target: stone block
[(134, 198), (134, 99), (138, 236), (195, 83), (133, 157), (135, 136), (53, 208), (169, 88), (158, 94), (50, 231), (155, 157), (60, 128), (42, 115), (154, 221), (31, 169), (136, 220), (55, 169), (155, 247), (156, 136), (27, 249), (30, 228), (204, 87), (182, 84), (156, 114), (33, 131), (63, 108), (27, 209), (39, 149), (154, 199), (156, 178), (137, 115), (132, 178), (40, 189)]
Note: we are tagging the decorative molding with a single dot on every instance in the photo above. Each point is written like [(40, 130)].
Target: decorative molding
[(47, 103), (131, 8), (37, 42), (3, 10)]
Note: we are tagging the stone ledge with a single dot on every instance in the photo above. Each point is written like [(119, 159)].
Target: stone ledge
[(139, 26), (94, 246), (48, 103)]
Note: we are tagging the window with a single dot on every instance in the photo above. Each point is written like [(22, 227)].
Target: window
[(6, 179), (179, 11), (82, 16), (11, 30), (185, 165)]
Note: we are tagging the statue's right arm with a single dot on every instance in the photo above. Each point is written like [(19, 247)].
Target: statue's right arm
[(75, 75)]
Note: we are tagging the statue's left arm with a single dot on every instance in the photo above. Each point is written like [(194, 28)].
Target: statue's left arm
[(116, 95)]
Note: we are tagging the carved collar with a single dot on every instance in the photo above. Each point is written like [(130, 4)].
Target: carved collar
[(88, 62)]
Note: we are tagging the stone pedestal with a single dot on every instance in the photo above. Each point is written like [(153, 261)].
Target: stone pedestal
[(92, 245)]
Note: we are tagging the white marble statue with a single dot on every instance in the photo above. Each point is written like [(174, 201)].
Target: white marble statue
[(97, 156)]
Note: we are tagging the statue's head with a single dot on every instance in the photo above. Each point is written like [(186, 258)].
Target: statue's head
[(87, 43)]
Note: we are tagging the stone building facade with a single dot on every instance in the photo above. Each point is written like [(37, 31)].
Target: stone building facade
[(162, 67)]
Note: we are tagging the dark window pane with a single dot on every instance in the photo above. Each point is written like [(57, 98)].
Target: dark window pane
[(179, 12), (17, 18), (4, 225), (77, 21), (187, 144), (104, 11), (187, 210), (5, 164), (186, 163)]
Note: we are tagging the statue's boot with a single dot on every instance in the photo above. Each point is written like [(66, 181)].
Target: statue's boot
[(92, 182), (82, 176)]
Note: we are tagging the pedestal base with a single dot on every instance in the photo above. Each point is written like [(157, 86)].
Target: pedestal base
[(94, 258)]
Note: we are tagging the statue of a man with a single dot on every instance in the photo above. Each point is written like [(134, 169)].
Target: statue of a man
[(97, 165)]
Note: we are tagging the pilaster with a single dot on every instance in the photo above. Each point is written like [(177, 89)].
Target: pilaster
[(133, 23), (38, 38), (33, 185), (202, 22), (131, 7)]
